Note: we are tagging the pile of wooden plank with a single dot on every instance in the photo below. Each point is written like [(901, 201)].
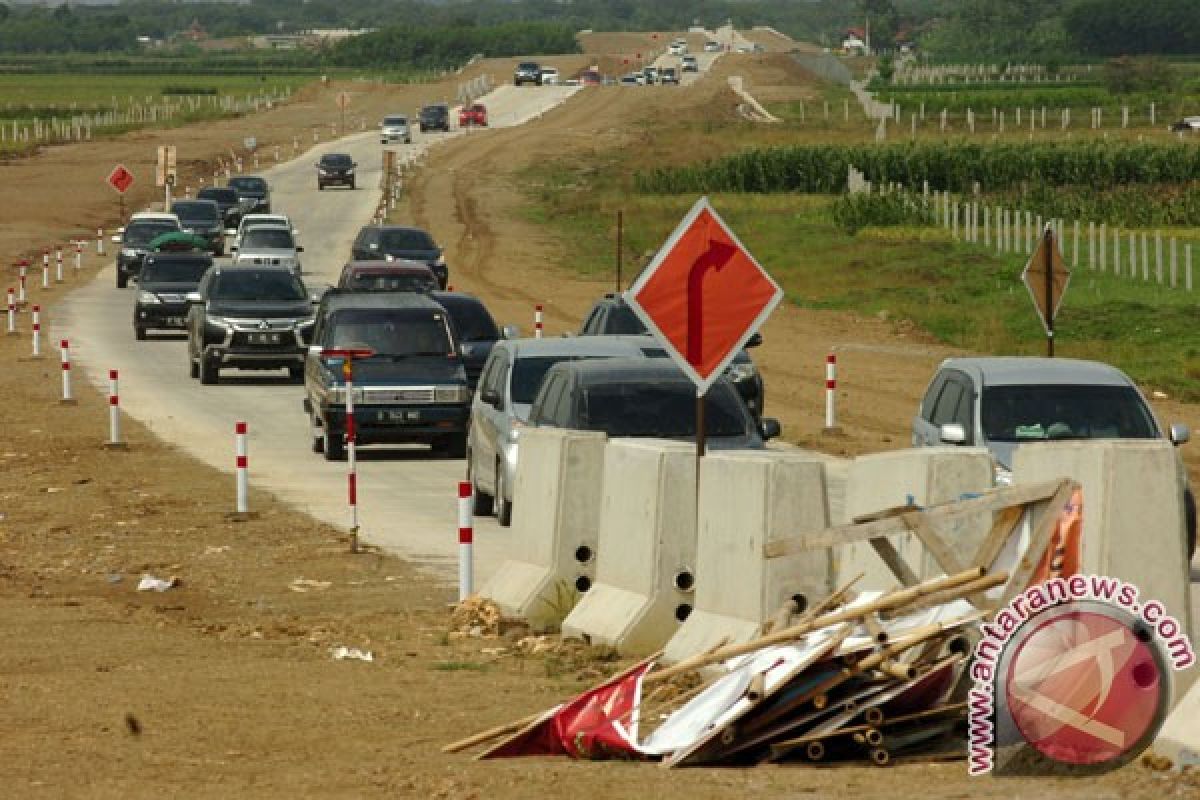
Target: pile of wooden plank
[(867, 677)]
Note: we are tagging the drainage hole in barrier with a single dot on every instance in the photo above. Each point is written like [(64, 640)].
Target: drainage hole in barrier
[(801, 603), (583, 583), (583, 554), (683, 611), (684, 581)]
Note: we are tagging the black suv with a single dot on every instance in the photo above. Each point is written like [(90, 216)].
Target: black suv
[(254, 192), (228, 201), (164, 283), (528, 72), (474, 329), (135, 243), (335, 169), (203, 218), (435, 117), (611, 315), (377, 242), (250, 317), (413, 389)]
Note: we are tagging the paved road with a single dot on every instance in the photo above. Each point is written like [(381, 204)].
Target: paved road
[(408, 496)]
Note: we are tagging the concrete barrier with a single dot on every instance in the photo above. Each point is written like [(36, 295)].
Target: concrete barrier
[(746, 498), (556, 512), (645, 570), (1133, 515), (1179, 739), (922, 476)]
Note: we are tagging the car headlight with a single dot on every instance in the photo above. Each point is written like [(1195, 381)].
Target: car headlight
[(220, 322), (450, 394), (128, 253), (441, 261), (148, 299), (743, 371), (322, 171), (305, 323)]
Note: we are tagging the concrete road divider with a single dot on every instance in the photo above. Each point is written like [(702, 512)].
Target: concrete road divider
[(1133, 515), (645, 574), (745, 499), (556, 519), (919, 476)]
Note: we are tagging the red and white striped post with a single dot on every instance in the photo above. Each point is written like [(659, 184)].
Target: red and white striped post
[(466, 537), (65, 347), (830, 391), (12, 312), (114, 410), (22, 277), (99, 241), (78, 255), (243, 480), (45, 269), (537, 321), (37, 331), (348, 355), (58, 272)]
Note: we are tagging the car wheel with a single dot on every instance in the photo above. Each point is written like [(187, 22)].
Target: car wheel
[(318, 439), (455, 445), (335, 446), (351, 185), (320, 187), (296, 372), (193, 366), (139, 334), (210, 370), (502, 504), (122, 279), (1189, 514)]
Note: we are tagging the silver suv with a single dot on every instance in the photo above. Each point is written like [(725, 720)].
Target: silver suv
[(1000, 403), (395, 129), (500, 409)]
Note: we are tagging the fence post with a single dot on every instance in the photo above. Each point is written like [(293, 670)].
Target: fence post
[(1158, 257), (1145, 256), (1075, 254), (1174, 264), (1116, 252), (1133, 255)]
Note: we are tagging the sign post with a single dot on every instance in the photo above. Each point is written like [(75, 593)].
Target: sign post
[(121, 179), (1046, 276), (343, 100), (703, 296), (164, 172), (348, 355)]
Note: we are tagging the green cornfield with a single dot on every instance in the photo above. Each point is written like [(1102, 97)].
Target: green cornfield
[(953, 166)]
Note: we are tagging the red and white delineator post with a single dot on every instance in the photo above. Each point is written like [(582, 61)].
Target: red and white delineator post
[(22, 277), (37, 331), (65, 348), (537, 321), (243, 465), (99, 241), (114, 410), (830, 391), (12, 312), (466, 539), (78, 255), (45, 269), (348, 355), (58, 269)]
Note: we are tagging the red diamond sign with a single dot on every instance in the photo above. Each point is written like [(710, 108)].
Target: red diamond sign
[(703, 295), (120, 178)]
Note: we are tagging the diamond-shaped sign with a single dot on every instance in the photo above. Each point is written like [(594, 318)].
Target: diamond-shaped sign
[(1047, 295), (703, 295), (120, 178)]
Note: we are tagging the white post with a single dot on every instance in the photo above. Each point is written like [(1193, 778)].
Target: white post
[(537, 321), (987, 233), (114, 409), (1092, 245), (1029, 233), (1158, 257), (12, 311), (1132, 254), (1075, 253), (1103, 246), (1116, 252), (65, 347), (99, 241), (1145, 256), (466, 536), (830, 391), (1187, 267), (1174, 264), (58, 268), (37, 331), (242, 467)]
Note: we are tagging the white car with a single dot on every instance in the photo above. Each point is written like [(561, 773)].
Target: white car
[(267, 245), (712, 47), (550, 76), (268, 220), (677, 49), (1187, 124), (394, 128)]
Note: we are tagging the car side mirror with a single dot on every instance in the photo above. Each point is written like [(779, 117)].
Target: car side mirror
[(1180, 434), (510, 332), (953, 433), (492, 398), (769, 428), (755, 340), (194, 297)]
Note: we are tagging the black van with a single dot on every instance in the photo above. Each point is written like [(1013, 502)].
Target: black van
[(435, 118)]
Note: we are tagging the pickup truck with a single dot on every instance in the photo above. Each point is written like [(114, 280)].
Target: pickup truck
[(412, 389)]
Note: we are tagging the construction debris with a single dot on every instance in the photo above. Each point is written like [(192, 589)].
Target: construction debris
[(866, 678)]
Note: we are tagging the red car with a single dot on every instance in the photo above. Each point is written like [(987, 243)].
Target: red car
[(473, 115), (590, 77)]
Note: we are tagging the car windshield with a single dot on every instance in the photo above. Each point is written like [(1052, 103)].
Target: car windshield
[(395, 120), (391, 333), (219, 195), (623, 320), (195, 212), (245, 285), (256, 185), (390, 282), (434, 111), (268, 239), (1024, 413), (336, 160), (140, 234), (528, 372), (189, 270), (401, 240), (665, 410), (472, 321)]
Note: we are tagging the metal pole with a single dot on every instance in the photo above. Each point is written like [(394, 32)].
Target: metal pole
[(351, 461), (466, 537), (1049, 292), (242, 483), (620, 237)]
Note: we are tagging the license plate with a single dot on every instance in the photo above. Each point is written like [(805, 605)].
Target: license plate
[(264, 338), (400, 416), (174, 322)]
